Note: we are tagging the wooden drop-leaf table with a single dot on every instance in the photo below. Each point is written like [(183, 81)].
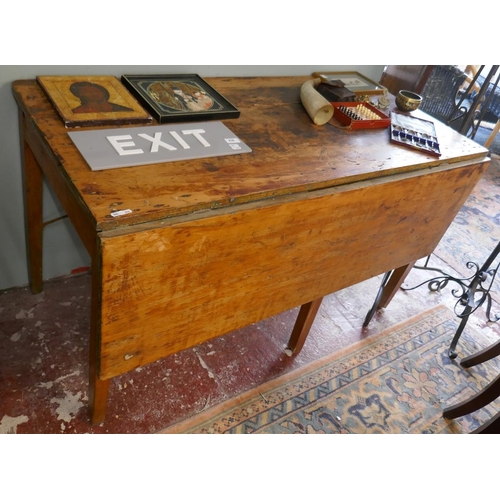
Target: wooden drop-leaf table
[(215, 244)]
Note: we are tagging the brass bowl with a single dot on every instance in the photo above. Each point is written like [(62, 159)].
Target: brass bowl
[(408, 101)]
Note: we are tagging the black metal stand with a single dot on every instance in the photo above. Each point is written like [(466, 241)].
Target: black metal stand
[(474, 291)]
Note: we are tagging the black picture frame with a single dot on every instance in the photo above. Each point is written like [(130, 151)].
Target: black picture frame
[(179, 98)]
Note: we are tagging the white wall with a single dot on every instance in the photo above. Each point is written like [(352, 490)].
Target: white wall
[(63, 251)]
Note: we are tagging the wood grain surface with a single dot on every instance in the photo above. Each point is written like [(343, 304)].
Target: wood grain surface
[(290, 154), (173, 285)]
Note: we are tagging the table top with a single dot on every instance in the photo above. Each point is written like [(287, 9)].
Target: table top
[(290, 154)]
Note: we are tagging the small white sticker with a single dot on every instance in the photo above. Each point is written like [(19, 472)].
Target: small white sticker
[(232, 140), (235, 146), (121, 212)]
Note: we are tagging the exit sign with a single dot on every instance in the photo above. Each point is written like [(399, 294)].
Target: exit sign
[(134, 146)]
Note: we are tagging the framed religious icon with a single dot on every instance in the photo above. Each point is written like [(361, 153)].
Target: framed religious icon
[(92, 100), (354, 81), (179, 98)]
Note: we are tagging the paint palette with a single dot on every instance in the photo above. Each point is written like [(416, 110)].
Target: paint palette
[(414, 133)]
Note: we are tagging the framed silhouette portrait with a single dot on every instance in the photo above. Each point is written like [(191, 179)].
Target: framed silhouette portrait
[(92, 100), (179, 98)]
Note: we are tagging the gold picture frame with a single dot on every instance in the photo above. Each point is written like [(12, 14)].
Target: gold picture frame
[(92, 100), (354, 81)]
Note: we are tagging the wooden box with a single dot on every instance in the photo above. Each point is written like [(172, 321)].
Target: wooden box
[(359, 115)]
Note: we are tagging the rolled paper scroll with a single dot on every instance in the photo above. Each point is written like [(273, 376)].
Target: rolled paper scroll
[(318, 108)]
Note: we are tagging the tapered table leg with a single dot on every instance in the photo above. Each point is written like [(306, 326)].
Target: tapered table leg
[(98, 397), (394, 283), (33, 196), (388, 288), (303, 324), (98, 389)]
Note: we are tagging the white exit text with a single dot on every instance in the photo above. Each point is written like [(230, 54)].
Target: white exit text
[(121, 142)]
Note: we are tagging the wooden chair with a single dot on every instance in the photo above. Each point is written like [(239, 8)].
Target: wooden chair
[(438, 85), (409, 77), (482, 398)]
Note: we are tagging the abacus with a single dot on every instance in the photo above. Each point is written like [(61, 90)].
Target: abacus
[(359, 115), (359, 112)]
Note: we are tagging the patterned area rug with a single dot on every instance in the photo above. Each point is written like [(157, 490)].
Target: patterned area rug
[(398, 382), (475, 231)]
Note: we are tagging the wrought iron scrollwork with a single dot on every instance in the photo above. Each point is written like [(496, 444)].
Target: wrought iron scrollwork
[(473, 292)]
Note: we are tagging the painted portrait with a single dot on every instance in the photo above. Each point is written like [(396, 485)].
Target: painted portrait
[(92, 100), (171, 98)]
